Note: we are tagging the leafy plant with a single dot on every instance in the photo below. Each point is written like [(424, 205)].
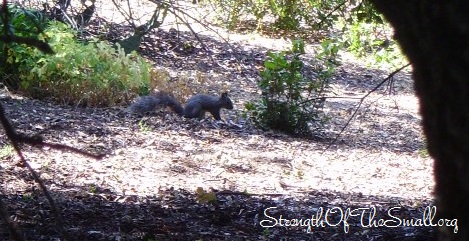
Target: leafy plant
[(90, 74), (22, 23), (291, 102), (206, 197), (93, 189), (142, 125), (423, 153), (6, 151), (288, 14), (368, 36)]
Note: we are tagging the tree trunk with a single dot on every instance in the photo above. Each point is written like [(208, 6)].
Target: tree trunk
[(434, 34)]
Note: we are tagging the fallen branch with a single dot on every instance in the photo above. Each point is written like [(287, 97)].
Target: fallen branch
[(389, 78)]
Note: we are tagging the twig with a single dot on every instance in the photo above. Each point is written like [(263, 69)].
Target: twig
[(41, 45), (206, 26), (73, 149), (331, 12), (128, 18), (390, 76), (16, 139), (192, 30)]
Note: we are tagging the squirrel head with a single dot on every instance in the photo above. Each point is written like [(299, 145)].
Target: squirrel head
[(227, 103)]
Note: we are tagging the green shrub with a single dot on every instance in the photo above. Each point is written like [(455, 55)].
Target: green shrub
[(6, 151), (288, 15), (23, 23), (291, 102), (91, 74), (368, 36)]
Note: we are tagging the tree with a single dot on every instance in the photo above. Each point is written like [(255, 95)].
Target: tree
[(434, 35)]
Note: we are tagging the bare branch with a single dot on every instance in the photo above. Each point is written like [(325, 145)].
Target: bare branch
[(389, 78), (41, 45)]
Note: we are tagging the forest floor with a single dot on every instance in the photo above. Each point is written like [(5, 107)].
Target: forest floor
[(160, 171)]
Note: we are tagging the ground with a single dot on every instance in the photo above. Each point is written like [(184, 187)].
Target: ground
[(159, 173)]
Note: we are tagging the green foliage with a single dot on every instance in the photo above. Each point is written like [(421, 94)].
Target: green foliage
[(366, 12), (6, 151), (27, 197), (231, 10), (93, 189), (92, 73), (366, 35), (291, 102), (23, 23), (133, 42), (324, 14), (423, 153), (142, 125), (288, 15), (206, 197), (357, 25)]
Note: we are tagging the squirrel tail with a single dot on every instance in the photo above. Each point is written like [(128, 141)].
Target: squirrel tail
[(171, 102), (152, 102)]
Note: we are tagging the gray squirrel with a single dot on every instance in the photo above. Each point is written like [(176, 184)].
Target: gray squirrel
[(196, 106)]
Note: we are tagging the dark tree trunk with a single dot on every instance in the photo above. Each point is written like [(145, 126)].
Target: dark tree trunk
[(434, 34)]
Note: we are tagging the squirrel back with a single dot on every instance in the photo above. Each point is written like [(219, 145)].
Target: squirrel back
[(195, 107)]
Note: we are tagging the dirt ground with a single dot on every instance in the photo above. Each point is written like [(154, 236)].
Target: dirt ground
[(168, 178)]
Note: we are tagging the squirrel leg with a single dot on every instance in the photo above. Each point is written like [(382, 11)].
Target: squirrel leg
[(216, 114)]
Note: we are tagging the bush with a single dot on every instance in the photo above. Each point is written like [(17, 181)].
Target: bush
[(368, 36), (285, 15), (291, 102), (23, 23), (90, 74)]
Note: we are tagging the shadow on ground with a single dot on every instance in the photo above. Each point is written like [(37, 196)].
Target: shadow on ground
[(99, 214)]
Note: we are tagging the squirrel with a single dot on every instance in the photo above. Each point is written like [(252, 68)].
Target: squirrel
[(196, 106)]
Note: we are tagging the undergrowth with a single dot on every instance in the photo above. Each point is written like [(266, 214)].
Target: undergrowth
[(290, 101), (92, 73)]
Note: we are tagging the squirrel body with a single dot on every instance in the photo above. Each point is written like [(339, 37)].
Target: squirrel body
[(195, 107)]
